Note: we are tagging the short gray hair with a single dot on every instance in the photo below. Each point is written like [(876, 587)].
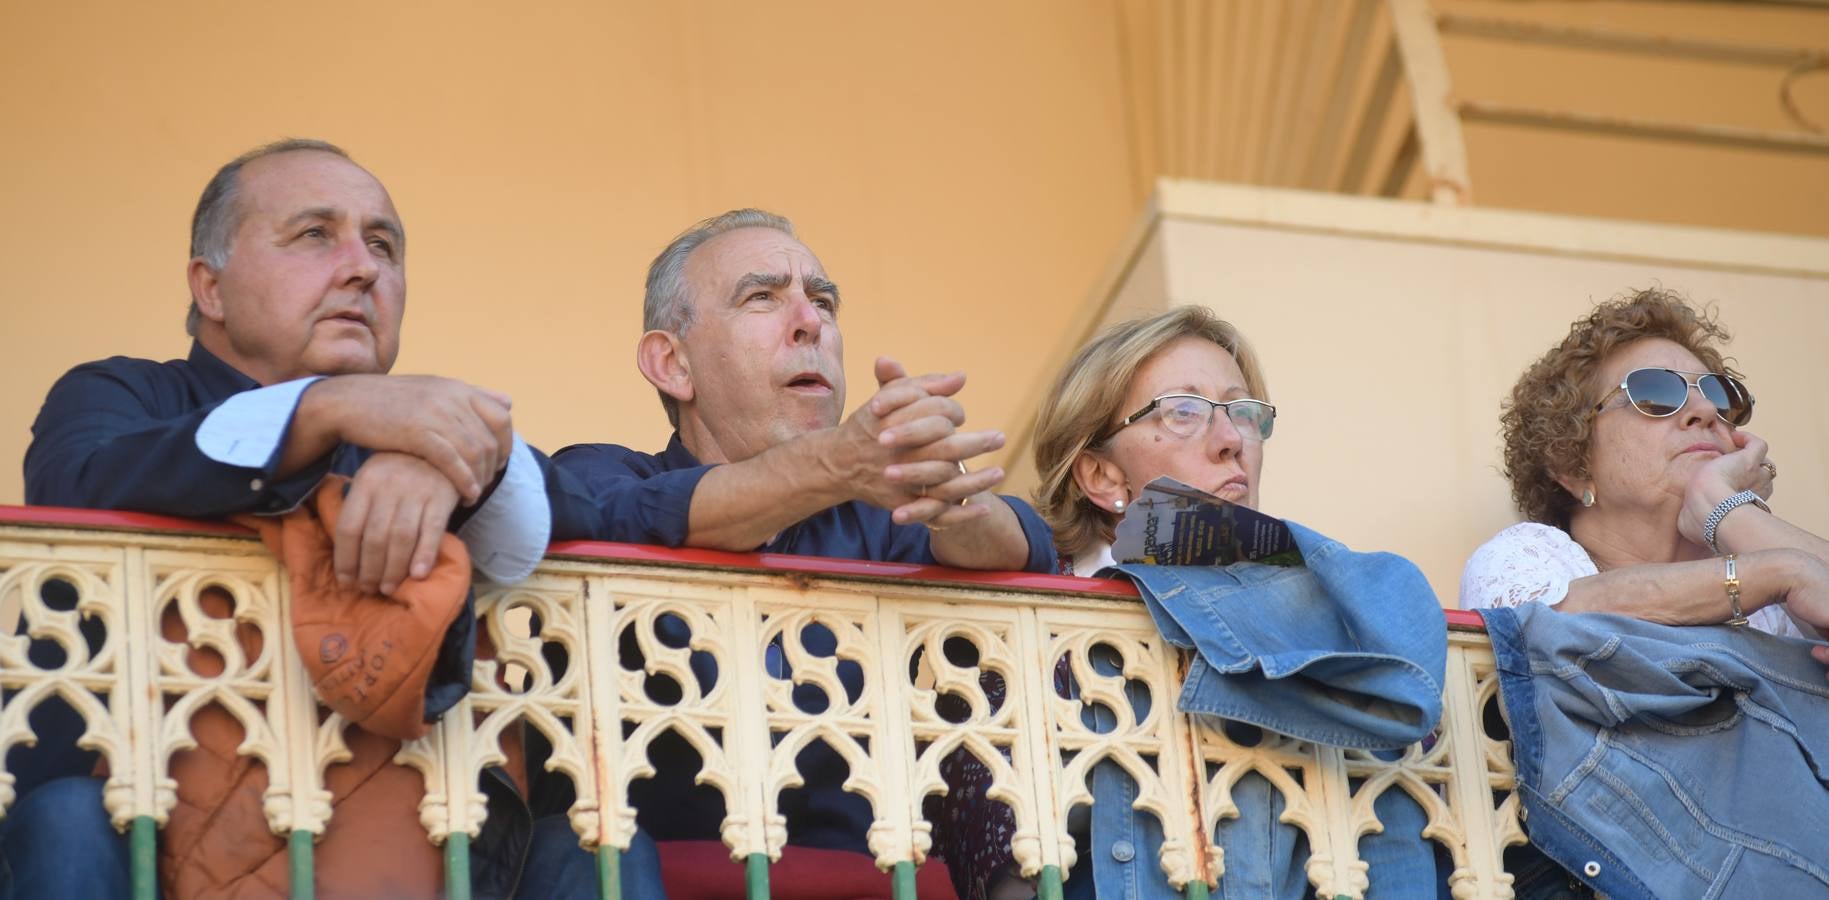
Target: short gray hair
[(667, 305), (218, 215)]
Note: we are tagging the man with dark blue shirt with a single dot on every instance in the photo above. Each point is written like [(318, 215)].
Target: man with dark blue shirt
[(298, 286), (742, 343)]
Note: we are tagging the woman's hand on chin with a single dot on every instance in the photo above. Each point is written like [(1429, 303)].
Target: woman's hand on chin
[(1721, 478)]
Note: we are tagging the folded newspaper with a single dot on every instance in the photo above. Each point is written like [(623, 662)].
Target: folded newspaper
[(1173, 524)]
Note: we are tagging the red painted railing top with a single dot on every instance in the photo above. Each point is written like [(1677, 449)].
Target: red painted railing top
[(57, 516)]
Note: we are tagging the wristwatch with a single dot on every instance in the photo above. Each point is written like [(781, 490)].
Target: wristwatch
[(1720, 512)]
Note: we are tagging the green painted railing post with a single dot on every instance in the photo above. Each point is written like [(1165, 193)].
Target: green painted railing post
[(1050, 887), (903, 887), (755, 877), (144, 852), (457, 866), (609, 872), (299, 856)]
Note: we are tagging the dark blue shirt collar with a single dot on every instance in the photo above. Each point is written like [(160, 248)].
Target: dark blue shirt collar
[(676, 456), (217, 378)]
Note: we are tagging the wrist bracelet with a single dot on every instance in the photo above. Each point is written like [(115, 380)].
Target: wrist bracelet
[(1720, 512), (1732, 583)]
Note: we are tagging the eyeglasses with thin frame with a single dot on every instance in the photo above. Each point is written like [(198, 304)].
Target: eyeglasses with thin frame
[(1659, 393), (1188, 415)]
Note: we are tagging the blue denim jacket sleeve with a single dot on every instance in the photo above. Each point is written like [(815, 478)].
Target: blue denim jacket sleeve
[(1348, 650)]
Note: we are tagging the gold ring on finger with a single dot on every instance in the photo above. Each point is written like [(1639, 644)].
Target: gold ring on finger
[(1771, 469)]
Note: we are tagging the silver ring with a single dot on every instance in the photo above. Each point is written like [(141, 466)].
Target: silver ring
[(1771, 469)]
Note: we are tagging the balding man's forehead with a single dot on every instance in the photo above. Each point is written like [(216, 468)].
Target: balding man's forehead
[(309, 170), (286, 185), (287, 158)]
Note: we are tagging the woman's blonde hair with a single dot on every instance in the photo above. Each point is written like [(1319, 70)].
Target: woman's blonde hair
[(1083, 405)]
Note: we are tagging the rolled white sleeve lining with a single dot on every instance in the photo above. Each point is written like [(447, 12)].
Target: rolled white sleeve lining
[(246, 430), (508, 534)]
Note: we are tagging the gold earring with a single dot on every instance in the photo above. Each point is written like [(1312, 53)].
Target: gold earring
[(1587, 496)]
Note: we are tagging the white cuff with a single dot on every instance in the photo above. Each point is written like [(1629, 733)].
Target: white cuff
[(508, 535), (248, 427)]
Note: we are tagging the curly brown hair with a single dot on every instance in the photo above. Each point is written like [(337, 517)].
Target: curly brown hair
[(1548, 422)]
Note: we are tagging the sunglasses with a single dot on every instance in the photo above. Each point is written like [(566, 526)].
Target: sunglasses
[(1663, 392), (1189, 415)]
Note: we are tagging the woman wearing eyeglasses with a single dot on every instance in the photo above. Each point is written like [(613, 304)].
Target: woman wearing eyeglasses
[(1100, 439), (1643, 495), (1167, 365), (1196, 381), (1181, 394)]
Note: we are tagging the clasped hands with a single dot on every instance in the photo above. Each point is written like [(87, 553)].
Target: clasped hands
[(902, 451)]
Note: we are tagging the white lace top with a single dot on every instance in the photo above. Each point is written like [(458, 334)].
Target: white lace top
[(1531, 561), (1089, 561)]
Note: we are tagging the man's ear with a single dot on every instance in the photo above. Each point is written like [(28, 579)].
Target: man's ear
[(206, 289), (661, 357), (1100, 480)]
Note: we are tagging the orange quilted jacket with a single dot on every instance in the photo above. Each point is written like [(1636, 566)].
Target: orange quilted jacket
[(369, 658)]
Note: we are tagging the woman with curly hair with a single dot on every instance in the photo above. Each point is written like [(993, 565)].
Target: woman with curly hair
[(1643, 494)]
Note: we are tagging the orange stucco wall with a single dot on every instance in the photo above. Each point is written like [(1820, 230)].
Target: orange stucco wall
[(956, 166), (963, 169)]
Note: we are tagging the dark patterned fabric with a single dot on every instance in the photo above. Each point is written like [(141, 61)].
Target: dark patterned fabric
[(971, 833)]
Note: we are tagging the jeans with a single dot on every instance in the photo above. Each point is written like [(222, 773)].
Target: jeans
[(1266, 859), (557, 867), (57, 841)]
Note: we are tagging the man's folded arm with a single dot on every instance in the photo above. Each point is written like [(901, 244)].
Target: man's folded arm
[(104, 441), (602, 493), (608, 493), (1014, 537), (743, 505), (1036, 534)]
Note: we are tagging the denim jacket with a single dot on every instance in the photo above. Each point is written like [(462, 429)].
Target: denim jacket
[(1665, 761), (1348, 650)]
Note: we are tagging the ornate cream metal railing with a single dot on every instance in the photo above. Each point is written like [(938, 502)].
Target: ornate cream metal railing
[(136, 693)]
